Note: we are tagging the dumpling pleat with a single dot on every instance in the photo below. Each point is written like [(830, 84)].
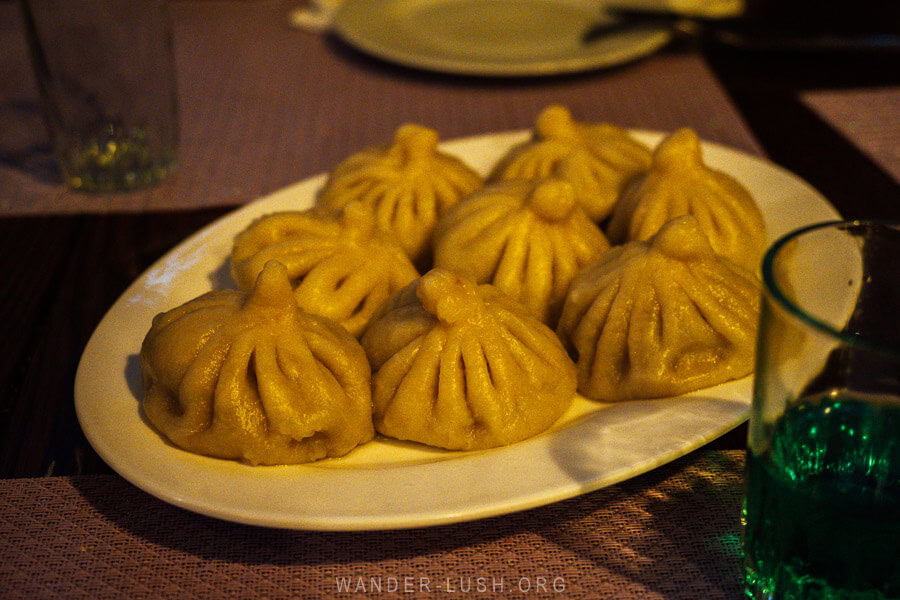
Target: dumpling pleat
[(442, 194), (298, 260), (198, 311), (198, 386), (510, 268), (453, 408), (404, 198), (627, 157), (584, 319), (538, 280), (428, 201), (528, 348), (489, 408), (352, 188), (609, 317), (474, 212), (497, 225), (293, 406), (349, 281), (727, 324), (645, 350), (567, 253), (484, 250), (648, 215), (236, 406), (733, 293), (408, 377), (384, 201)]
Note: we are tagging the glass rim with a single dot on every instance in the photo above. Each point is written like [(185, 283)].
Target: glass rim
[(774, 291)]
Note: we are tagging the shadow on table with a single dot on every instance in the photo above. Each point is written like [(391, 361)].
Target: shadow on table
[(673, 531), (24, 146), (157, 522)]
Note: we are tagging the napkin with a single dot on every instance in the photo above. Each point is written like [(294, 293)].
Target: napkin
[(314, 15)]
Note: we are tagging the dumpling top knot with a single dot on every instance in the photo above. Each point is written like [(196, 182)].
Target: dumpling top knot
[(448, 296), (682, 239), (553, 200), (556, 122), (414, 142), (681, 150), (272, 290)]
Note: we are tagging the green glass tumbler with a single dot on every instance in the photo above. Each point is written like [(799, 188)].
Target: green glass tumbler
[(822, 507)]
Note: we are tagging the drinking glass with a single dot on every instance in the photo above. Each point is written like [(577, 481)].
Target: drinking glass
[(105, 70), (822, 507)]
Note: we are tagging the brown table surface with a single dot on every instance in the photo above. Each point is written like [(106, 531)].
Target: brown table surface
[(264, 105)]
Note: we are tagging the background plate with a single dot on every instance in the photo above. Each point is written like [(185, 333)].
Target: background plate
[(386, 484), (493, 37)]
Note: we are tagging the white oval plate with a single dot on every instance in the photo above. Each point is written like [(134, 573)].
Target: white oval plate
[(387, 484), (493, 37)]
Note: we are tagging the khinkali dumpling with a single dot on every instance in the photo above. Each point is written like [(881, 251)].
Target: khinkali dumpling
[(679, 183), (462, 366), (597, 159), (528, 238), (340, 267), (406, 186), (660, 317), (255, 378)]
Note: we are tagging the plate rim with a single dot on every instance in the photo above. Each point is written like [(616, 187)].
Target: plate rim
[(406, 520), (350, 26)]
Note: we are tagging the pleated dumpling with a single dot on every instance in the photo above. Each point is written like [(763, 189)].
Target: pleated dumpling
[(462, 366), (661, 317), (406, 186), (340, 266), (528, 238), (254, 378), (597, 159), (678, 184)]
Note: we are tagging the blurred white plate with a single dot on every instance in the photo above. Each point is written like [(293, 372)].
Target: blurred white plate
[(386, 484), (493, 37)]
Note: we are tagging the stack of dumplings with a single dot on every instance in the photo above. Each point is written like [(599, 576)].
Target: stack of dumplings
[(420, 302)]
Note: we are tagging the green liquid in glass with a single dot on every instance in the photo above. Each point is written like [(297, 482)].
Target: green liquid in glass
[(822, 512)]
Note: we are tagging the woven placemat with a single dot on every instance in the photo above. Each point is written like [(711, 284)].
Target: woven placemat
[(867, 118), (671, 533), (264, 105)]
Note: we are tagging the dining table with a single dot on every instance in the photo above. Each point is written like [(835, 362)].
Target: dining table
[(264, 104)]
